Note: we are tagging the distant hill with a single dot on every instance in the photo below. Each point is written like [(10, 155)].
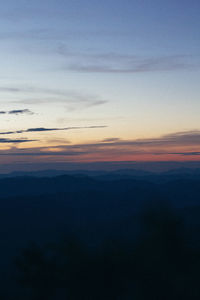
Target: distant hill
[(176, 173), (95, 208)]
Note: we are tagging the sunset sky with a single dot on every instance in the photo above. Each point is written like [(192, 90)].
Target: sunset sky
[(90, 81)]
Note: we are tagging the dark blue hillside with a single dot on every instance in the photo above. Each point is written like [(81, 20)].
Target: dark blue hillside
[(44, 210)]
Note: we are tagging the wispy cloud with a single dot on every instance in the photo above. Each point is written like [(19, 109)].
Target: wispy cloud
[(111, 140), (43, 129), (140, 66), (125, 63), (114, 147), (186, 138), (36, 95), (105, 62), (186, 153), (17, 112), (15, 141), (42, 153)]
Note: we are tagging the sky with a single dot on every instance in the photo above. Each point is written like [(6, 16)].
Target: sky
[(99, 81)]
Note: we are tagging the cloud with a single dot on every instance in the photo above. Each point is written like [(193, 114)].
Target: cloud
[(148, 145), (110, 140), (37, 95), (41, 153), (187, 138), (177, 139), (140, 66), (43, 129), (20, 112), (16, 141), (17, 112), (185, 153), (96, 103), (182, 138), (108, 62), (125, 63), (32, 90), (115, 148)]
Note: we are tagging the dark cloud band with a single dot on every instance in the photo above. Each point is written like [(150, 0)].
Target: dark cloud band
[(43, 129), (16, 141), (17, 112)]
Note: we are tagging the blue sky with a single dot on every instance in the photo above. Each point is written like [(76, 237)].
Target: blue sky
[(125, 70)]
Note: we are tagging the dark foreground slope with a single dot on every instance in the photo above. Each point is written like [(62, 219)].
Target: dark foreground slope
[(141, 215)]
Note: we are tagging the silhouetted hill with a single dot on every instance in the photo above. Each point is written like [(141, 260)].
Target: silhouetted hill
[(179, 191), (91, 208), (178, 173), (35, 205)]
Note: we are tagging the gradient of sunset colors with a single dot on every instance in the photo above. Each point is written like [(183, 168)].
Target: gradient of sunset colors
[(99, 81)]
